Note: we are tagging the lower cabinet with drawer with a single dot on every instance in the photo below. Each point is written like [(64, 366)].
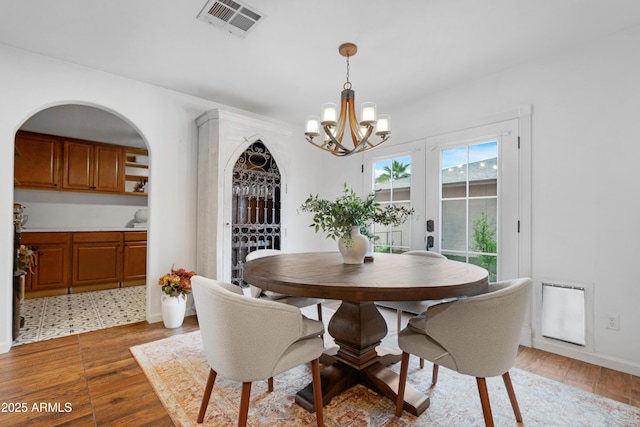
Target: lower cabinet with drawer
[(50, 276), (84, 261), (135, 258), (97, 258)]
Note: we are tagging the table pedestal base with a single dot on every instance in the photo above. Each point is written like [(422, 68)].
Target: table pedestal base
[(340, 377), (358, 327)]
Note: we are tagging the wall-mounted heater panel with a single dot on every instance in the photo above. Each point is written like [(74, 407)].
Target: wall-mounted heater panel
[(563, 313)]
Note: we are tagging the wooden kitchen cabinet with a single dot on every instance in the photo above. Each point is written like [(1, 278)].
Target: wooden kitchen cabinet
[(52, 261), (97, 258), (135, 257), (92, 167), (48, 162), (37, 161)]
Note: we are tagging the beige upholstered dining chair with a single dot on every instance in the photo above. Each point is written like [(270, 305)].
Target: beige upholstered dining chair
[(250, 339), (475, 336), (299, 302), (414, 307)]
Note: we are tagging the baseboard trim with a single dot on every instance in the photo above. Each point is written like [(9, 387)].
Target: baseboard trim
[(157, 317), (585, 356), (526, 337)]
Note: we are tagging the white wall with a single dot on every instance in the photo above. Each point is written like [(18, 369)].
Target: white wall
[(166, 120), (60, 209), (585, 204), (585, 146)]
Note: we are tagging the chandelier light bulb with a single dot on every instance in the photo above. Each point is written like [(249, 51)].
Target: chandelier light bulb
[(368, 113), (329, 114), (383, 125), (313, 126)]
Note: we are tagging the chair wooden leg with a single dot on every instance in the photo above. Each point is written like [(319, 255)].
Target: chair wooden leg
[(244, 404), (512, 396), (399, 320), (207, 395), (270, 384), (434, 375), (404, 366), (484, 400), (320, 319), (317, 391)]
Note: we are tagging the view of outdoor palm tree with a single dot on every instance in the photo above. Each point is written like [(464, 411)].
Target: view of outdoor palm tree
[(396, 170), (393, 188)]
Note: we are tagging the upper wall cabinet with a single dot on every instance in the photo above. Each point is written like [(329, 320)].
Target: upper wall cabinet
[(37, 161), (95, 167), (47, 162)]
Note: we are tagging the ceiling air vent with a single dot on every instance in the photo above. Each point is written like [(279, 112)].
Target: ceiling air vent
[(233, 16)]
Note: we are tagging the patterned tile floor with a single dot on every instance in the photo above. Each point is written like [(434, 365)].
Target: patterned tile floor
[(53, 317)]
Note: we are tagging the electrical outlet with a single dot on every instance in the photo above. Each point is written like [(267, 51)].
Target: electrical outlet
[(613, 321)]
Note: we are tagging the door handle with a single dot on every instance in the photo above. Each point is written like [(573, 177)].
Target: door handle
[(430, 225)]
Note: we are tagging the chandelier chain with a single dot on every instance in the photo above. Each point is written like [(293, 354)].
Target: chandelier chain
[(347, 84)]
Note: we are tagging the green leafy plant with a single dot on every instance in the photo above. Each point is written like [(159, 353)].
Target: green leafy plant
[(484, 231), (336, 217)]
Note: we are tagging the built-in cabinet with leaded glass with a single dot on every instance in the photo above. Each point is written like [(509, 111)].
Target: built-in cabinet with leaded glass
[(256, 195)]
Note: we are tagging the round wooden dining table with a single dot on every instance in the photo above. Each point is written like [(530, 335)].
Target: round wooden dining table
[(357, 326)]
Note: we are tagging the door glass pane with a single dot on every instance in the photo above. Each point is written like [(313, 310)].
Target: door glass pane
[(392, 185), (454, 172), (483, 169), (454, 226), (469, 202), (482, 234)]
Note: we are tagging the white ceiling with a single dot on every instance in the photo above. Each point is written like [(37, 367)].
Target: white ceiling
[(289, 64)]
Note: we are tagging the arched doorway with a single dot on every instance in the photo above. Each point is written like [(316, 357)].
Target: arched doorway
[(255, 212), (72, 211)]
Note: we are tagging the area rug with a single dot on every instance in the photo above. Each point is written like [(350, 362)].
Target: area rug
[(178, 371)]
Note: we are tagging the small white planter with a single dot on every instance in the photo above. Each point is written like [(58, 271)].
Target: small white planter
[(355, 253), (173, 310)]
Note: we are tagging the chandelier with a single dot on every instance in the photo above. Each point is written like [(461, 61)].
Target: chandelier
[(332, 126)]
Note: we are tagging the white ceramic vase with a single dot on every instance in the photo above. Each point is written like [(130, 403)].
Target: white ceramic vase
[(173, 310), (355, 253)]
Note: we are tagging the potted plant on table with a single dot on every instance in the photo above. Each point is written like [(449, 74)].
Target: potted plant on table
[(176, 285), (348, 219)]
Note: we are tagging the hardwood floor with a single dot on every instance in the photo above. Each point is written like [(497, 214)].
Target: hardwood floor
[(92, 379), (94, 372), (605, 382)]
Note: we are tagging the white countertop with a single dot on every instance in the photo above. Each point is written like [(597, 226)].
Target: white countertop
[(79, 229)]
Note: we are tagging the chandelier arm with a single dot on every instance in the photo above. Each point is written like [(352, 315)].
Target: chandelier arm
[(333, 139), (356, 134), (324, 146), (382, 139), (342, 119), (362, 145)]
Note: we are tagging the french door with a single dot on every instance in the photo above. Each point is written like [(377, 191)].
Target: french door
[(465, 187), (472, 196), (397, 176)]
